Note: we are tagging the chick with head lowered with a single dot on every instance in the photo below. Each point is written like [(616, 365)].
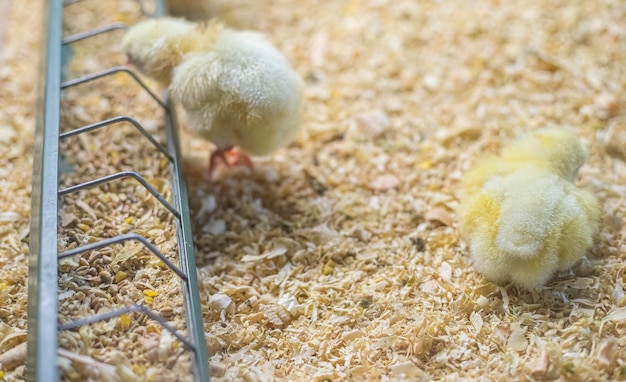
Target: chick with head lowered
[(521, 214), (237, 89)]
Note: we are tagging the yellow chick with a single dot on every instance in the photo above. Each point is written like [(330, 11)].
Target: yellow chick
[(242, 92), (521, 214), (236, 88)]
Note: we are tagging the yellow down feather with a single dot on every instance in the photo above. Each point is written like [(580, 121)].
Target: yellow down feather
[(521, 214)]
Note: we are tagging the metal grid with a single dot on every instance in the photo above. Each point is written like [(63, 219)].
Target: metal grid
[(42, 360)]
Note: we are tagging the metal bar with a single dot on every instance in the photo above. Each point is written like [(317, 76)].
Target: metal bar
[(129, 309), (93, 32), (160, 8), (108, 72), (186, 251), (118, 175), (120, 239), (42, 362), (112, 121), (142, 8), (191, 294)]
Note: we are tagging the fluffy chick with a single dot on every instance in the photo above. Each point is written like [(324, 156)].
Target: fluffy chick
[(236, 88), (521, 214), (240, 92)]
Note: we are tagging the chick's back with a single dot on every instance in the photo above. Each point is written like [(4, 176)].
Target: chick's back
[(242, 92), (524, 226)]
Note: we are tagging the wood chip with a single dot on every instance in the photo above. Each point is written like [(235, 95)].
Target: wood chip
[(615, 138), (11, 358), (441, 215), (541, 367), (277, 315), (384, 183), (373, 124), (406, 369), (608, 352)]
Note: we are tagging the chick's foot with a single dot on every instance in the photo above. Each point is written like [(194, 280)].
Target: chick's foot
[(230, 156)]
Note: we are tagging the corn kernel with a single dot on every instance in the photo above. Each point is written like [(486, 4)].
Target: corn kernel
[(83, 227), (3, 287), (150, 293), (328, 268), (425, 165), (138, 369), (148, 300), (129, 220), (121, 275), (125, 321), (115, 156)]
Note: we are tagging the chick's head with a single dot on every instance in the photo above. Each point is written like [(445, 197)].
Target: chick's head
[(156, 46), (557, 150)]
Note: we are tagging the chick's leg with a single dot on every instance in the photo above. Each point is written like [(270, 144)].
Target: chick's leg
[(235, 157), (230, 156)]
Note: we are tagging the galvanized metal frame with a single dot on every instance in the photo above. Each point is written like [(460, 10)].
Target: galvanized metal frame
[(42, 362), (193, 306)]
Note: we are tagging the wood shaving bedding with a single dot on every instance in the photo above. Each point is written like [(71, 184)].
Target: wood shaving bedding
[(338, 257), (18, 69)]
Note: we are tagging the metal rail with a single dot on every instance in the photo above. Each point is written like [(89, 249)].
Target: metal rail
[(112, 121), (108, 72), (185, 246), (129, 309), (123, 174), (43, 326), (41, 363), (93, 32), (121, 239)]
